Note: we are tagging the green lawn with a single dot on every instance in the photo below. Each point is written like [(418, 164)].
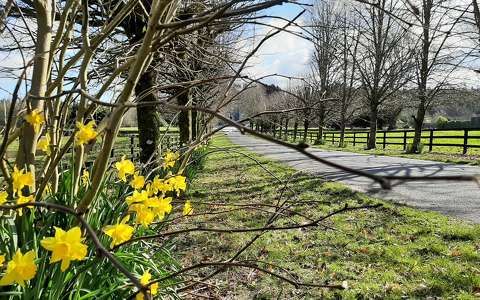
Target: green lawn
[(449, 137), (384, 253), (434, 156)]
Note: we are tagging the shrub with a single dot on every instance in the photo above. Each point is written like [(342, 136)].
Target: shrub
[(441, 121), (410, 148)]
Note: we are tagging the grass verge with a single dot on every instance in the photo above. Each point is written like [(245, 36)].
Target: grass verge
[(390, 252), (433, 156)]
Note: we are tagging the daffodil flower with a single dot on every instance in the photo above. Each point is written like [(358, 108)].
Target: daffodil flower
[(153, 288), (85, 133), (44, 144), (21, 179), (169, 159), (36, 119), (3, 197), (65, 246), (120, 232), (20, 269), (125, 167), (85, 178), (187, 209), (138, 181)]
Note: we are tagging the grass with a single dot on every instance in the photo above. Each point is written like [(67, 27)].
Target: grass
[(439, 153), (434, 156), (384, 253)]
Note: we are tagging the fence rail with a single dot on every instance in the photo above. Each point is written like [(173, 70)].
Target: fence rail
[(128, 143), (463, 139)]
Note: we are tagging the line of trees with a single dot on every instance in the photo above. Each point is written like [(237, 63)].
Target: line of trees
[(371, 62)]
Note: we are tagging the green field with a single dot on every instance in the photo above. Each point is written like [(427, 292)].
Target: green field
[(393, 252), (447, 137)]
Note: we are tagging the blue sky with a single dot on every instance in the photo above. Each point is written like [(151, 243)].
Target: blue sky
[(284, 54)]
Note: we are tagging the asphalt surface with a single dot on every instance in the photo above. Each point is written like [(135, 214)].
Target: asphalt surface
[(457, 199)]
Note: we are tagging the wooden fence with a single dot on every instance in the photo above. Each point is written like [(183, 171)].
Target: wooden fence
[(463, 139), (128, 143)]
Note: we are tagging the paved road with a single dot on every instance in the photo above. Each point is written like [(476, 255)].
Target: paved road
[(458, 199)]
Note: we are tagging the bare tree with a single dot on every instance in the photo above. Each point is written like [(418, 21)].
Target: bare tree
[(435, 59), (384, 59)]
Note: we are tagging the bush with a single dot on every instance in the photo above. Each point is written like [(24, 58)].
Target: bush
[(441, 121), (410, 148), (319, 142)]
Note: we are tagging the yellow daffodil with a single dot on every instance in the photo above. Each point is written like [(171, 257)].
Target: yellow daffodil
[(169, 159), (120, 232), (85, 178), (178, 183), (137, 182), (137, 197), (65, 246), (21, 179), (85, 133), (150, 190), (125, 167), (143, 214), (47, 190), (23, 199), (44, 144), (187, 209), (2, 259), (20, 269), (36, 119), (160, 206), (160, 185), (3, 197), (153, 288)]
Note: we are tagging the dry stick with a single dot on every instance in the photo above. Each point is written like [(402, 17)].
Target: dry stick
[(98, 245)]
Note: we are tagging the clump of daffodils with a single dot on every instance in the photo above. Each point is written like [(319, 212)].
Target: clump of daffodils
[(149, 201)]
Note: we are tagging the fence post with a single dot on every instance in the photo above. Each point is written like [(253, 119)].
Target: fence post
[(405, 140), (465, 141), (384, 139), (333, 138), (311, 137), (430, 142), (368, 136), (354, 138), (132, 146)]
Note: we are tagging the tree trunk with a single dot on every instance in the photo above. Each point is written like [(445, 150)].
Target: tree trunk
[(184, 119), (305, 128), (321, 123), (418, 128), (148, 117), (295, 129), (342, 129), (342, 135), (28, 137), (372, 138), (194, 124)]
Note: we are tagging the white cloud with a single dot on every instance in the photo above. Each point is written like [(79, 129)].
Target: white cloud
[(284, 54)]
